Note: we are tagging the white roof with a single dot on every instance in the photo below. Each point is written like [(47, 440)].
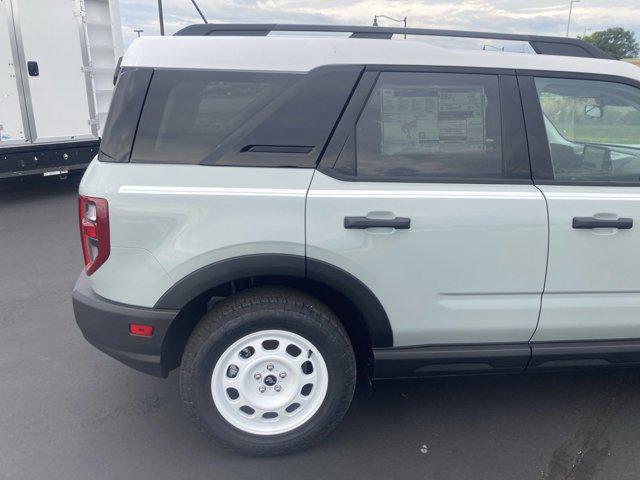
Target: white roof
[(301, 54)]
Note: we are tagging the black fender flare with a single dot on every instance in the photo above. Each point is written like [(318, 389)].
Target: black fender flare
[(224, 271)]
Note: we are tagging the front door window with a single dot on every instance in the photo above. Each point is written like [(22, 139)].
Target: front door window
[(593, 129)]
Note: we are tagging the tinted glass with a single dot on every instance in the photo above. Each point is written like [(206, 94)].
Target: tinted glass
[(593, 129), (431, 125), (123, 116), (187, 114)]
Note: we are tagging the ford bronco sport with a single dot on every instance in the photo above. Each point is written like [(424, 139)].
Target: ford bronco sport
[(276, 212)]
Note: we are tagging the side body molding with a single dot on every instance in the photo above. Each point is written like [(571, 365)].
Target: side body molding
[(219, 273)]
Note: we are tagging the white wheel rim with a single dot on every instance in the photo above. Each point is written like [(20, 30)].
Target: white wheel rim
[(282, 389)]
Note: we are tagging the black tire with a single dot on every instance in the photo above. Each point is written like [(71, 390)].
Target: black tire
[(266, 308)]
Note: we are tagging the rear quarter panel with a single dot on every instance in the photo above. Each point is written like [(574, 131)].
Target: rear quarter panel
[(167, 221)]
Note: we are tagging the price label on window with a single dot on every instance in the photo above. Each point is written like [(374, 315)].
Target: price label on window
[(433, 119)]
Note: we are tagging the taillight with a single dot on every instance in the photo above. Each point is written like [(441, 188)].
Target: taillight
[(94, 231)]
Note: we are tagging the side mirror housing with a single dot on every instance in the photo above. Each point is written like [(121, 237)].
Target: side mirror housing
[(593, 111)]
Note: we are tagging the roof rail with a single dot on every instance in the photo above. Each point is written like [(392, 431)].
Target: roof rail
[(570, 47)]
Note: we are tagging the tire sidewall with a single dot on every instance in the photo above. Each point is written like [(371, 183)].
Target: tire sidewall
[(332, 347)]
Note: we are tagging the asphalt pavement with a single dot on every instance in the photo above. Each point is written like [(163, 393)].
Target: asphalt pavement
[(68, 411)]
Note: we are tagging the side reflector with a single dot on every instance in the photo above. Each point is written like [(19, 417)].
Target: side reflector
[(140, 330)]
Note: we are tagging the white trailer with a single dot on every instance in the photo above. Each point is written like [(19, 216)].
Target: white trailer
[(57, 61)]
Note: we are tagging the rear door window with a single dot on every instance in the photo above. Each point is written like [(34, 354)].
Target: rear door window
[(431, 125), (187, 114)]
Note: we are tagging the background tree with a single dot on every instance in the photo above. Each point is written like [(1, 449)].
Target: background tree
[(617, 42)]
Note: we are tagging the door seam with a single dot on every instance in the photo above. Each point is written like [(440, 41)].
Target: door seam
[(306, 200), (546, 271)]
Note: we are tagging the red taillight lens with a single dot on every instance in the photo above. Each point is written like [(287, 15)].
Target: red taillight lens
[(94, 231), (89, 228)]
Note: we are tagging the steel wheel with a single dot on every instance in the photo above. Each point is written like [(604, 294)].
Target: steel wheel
[(269, 382)]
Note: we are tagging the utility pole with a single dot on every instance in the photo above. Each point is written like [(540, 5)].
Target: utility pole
[(138, 31), (161, 17), (570, 10)]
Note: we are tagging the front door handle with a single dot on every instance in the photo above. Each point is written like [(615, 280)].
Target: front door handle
[(400, 223), (591, 222)]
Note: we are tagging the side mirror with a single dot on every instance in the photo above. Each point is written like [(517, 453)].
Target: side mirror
[(593, 111)]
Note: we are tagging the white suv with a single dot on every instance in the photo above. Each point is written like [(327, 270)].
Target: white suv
[(275, 212)]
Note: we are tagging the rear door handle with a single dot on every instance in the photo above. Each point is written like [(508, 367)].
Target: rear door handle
[(400, 223), (591, 222)]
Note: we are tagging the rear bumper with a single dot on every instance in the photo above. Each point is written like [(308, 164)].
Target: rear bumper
[(51, 158), (105, 325)]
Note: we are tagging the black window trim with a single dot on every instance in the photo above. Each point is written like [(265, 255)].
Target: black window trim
[(539, 150), (144, 100), (137, 114), (346, 127)]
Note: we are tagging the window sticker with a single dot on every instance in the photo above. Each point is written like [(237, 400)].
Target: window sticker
[(434, 119)]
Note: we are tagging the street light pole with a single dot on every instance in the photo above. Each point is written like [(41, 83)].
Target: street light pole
[(404, 20), (161, 17), (570, 10)]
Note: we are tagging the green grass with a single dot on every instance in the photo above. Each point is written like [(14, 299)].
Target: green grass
[(616, 134)]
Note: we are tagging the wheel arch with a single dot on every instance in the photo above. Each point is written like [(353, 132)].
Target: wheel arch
[(352, 301)]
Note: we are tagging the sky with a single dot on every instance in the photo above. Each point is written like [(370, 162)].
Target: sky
[(542, 17)]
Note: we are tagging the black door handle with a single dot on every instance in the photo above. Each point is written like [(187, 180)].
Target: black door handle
[(590, 222), (400, 223), (33, 69)]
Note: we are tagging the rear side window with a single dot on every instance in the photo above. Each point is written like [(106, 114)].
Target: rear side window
[(188, 114), (124, 113), (431, 125)]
